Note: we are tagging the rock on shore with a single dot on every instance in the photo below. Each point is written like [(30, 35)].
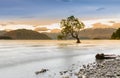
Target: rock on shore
[(106, 69)]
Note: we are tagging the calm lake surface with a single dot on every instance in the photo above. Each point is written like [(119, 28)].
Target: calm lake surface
[(22, 58)]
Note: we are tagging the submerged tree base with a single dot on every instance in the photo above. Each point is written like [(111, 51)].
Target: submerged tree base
[(78, 42)]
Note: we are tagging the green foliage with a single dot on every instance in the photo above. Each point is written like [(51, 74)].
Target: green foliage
[(113, 35), (116, 35), (60, 37), (5, 37), (71, 27)]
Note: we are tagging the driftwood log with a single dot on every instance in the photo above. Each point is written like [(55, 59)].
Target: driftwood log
[(105, 56)]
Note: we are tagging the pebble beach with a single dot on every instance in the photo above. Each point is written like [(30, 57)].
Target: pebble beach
[(109, 68)]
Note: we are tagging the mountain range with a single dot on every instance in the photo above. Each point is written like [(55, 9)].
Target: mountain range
[(23, 34), (88, 33)]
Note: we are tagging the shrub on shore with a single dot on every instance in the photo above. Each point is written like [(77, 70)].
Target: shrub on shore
[(116, 35)]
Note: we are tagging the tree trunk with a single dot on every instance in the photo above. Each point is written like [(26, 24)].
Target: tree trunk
[(76, 37), (78, 40)]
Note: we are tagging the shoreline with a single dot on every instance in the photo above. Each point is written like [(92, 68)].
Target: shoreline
[(108, 68)]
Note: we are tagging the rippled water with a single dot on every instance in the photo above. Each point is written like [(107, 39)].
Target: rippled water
[(21, 58)]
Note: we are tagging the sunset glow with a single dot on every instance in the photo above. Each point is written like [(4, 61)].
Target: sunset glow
[(29, 14)]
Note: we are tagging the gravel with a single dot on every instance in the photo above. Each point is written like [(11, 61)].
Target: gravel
[(106, 69), (109, 68)]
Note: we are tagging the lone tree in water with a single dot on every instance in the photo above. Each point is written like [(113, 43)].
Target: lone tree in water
[(71, 27)]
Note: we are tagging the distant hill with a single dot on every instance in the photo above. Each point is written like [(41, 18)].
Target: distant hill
[(97, 33), (90, 33), (26, 34), (2, 32), (52, 35)]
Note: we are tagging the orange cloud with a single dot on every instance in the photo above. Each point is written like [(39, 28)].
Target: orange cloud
[(34, 22), (55, 30), (41, 29), (116, 25), (100, 25), (3, 24), (111, 21)]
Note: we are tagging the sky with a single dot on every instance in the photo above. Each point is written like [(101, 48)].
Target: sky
[(50, 12)]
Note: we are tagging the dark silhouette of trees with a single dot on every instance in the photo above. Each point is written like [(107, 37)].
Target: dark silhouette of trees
[(116, 35), (71, 27), (60, 37), (5, 37)]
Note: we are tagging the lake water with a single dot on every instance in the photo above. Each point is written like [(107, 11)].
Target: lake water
[(22, 58)]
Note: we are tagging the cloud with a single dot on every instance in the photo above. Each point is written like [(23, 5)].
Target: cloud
[(3, 24), (17, 26), (111, 21), (11, 22), (100, 25), (41, 29), (89, 23), (28, 17), (100, 9), (116, 25), (51, 26), (65, 0), (55, 30), (7, 23)]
